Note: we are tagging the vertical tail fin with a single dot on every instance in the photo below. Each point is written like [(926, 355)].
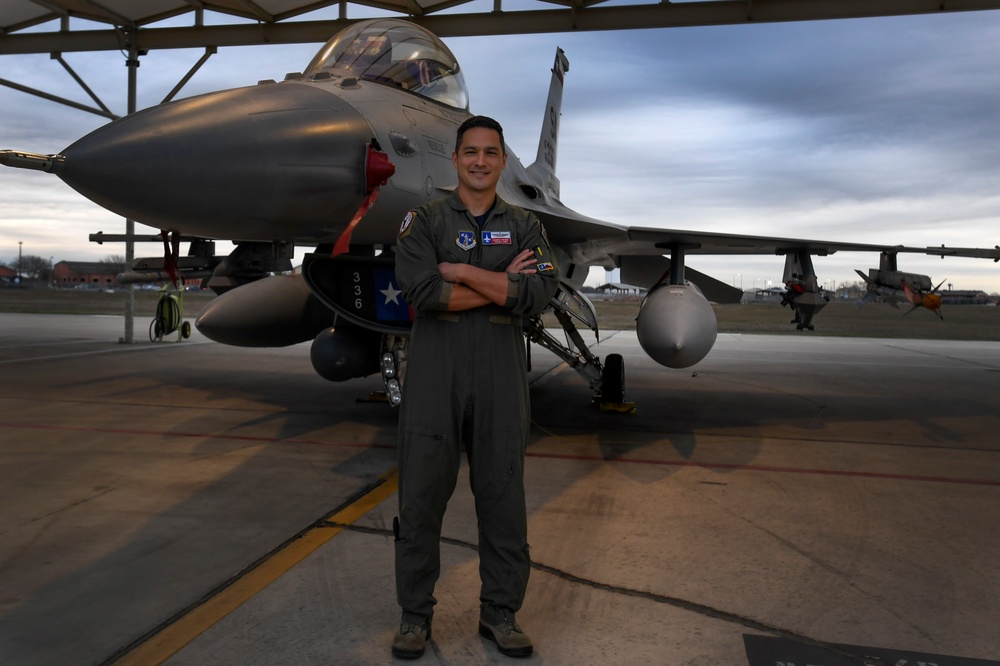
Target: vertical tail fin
[(544, 167)]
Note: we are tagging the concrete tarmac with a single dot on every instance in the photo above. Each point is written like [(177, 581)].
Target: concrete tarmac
[(190, 503)]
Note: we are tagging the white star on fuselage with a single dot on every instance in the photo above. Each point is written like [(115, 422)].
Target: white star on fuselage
[(391, 294)]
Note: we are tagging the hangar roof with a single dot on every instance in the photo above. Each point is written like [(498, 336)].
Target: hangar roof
[(19, 14), (41, 26)]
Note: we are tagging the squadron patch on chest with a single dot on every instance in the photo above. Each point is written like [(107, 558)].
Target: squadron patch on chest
[(497, 238), (466, 240)]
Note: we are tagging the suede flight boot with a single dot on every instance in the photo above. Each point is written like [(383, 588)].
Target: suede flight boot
[(503, 630), (410, 641)]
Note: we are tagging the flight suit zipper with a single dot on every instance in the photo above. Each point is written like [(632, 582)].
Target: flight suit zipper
[(478, 255)]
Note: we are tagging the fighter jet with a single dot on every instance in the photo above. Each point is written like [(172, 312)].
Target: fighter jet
[(341, 152)]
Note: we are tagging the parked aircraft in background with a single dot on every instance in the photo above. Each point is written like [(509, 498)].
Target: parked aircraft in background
[(279, 165)]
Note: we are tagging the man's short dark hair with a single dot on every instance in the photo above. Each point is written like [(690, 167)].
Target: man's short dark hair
[(479, 121)]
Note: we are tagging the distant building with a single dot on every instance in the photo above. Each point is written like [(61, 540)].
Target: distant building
[(769, 295), (7, 274), (94, 274), (968, 297), (619, 290)]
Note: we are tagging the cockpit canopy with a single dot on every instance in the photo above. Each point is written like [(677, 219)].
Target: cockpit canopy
[(394, 53)]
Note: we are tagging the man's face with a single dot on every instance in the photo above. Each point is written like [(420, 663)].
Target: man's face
[(479, 160)]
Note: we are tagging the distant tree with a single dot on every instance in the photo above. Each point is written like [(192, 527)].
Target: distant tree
[(115, 260), (852, 290), (34, 268)]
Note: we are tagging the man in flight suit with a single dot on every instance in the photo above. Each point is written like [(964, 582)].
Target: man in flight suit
[(471, 266)]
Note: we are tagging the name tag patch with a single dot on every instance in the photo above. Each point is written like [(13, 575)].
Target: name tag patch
[(497, 238)]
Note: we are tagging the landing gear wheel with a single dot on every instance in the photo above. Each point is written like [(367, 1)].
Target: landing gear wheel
[(613, 379), (186, 330)]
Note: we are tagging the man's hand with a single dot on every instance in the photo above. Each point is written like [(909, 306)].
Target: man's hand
[(522, 263), (475, 286)]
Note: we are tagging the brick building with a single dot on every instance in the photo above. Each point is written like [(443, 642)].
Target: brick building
[(94, 274)]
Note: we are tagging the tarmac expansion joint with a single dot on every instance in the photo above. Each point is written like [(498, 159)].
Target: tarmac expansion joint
[(683, 604)]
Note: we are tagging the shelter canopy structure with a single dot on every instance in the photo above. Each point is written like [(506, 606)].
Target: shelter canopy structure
[(218, 23)]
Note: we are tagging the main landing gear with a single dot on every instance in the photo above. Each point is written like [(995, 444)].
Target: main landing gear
[(607, 381)]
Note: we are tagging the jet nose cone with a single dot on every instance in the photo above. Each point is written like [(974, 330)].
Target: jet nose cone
[(247, 156)]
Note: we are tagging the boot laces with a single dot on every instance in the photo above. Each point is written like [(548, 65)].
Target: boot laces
[(507, 625), (410, 628)]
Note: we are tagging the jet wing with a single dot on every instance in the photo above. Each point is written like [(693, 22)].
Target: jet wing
[(596, 242), (641, 251), (698, 242)]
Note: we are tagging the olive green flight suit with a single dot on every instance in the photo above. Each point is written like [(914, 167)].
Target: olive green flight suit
[(466, 384)]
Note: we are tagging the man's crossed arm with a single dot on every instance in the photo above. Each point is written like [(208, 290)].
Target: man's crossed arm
[(475, 287)]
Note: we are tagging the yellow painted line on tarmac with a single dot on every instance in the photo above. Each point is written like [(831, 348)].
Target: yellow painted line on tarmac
[(167, 642)]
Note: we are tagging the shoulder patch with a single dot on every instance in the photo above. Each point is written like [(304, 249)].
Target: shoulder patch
[(404, 229), (545, 236)]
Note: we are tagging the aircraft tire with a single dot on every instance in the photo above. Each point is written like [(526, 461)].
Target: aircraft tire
[(613, 379), (186, 330)]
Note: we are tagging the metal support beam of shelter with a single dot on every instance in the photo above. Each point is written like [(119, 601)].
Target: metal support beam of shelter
[(133, 74), (497, 22)]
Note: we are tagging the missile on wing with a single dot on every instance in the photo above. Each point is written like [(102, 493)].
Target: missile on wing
[(346, 352), (895, 280), (275, 311), (676, 325), (896, 286)]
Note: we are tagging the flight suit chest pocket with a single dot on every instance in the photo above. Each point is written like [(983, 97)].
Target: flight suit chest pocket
[(456, 243)]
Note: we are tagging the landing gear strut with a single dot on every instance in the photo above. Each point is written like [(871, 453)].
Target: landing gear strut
[(607, 381)]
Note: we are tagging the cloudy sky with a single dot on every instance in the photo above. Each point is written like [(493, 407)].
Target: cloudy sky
[(874, 130)]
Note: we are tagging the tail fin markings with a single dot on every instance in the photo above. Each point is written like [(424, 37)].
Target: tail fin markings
[(544, 167)]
